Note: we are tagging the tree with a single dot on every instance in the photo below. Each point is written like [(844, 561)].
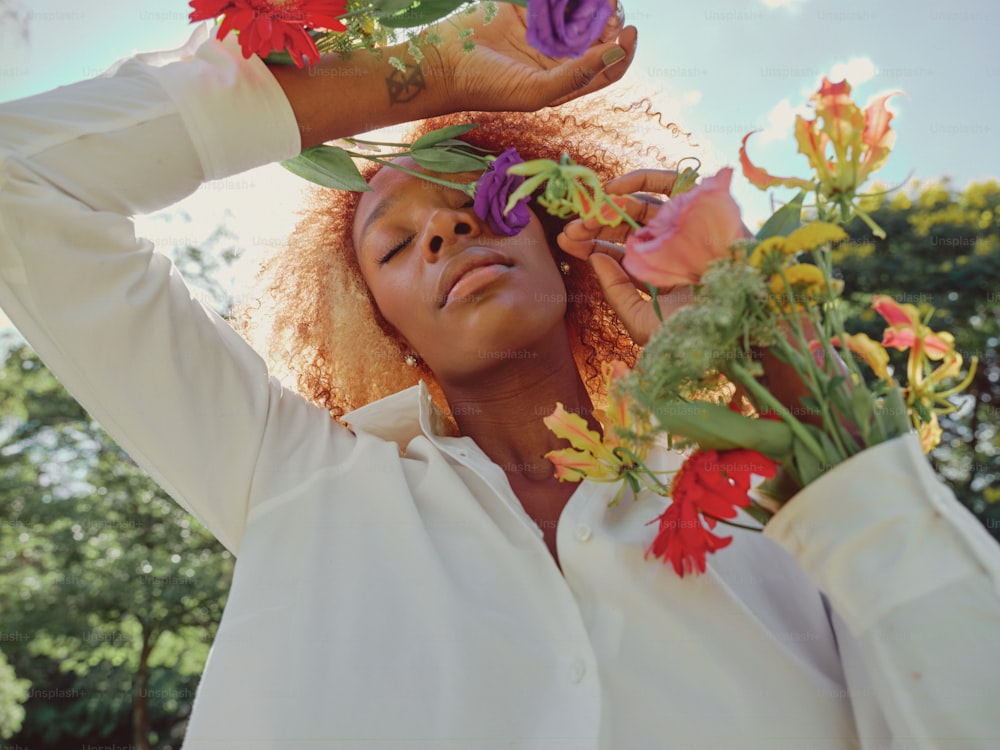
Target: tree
[(942, 251), (111, 593), (13, 694), (104, 575)]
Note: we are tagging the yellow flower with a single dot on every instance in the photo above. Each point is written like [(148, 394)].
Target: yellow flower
[(804, 280), (872, 352), (950, 367), (619, 416), (588, 458), (812, 235), (859, 139), (768, 247), (592, 456), (930, 434)]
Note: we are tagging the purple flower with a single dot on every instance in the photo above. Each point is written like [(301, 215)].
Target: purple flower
[(492, 191), (566, 28)]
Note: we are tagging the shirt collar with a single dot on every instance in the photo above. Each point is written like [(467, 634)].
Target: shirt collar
[(400, 417)]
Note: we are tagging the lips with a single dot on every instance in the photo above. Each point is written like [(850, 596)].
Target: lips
[(464, 264)]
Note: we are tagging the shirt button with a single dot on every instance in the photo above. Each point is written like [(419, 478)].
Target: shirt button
[(463, 453), (577, 670), (583, 532)]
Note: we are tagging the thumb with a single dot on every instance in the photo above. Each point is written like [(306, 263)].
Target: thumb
[(619, 290), (599, 66)]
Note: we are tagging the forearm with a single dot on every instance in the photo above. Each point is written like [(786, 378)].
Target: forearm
[(342, 97), (175, 386), (363, 91)]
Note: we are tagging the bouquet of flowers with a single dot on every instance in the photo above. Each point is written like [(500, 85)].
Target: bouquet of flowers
[(763, 306)]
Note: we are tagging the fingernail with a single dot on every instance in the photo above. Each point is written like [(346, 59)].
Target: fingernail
[(613, 55)]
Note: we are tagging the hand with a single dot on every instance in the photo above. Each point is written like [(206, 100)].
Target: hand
[(602, 246), (504, 73)]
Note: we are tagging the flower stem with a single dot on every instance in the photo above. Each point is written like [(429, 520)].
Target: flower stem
[(621, 211), (765, 397), (876, 229), (467, 188), (731, 523)]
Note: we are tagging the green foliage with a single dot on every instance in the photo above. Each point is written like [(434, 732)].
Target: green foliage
[(942, 250), (13, 693), (417, 13), (111, 592), (329, 166)]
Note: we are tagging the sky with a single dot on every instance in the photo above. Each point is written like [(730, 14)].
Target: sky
[(718, 68)]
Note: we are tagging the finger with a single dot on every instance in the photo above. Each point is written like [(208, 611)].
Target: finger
[(639, 208), (643, 181), (614, 25), (585, 247), (599, 66), (590, 232), (629, 305)]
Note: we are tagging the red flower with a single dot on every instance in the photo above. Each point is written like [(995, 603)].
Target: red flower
[(265, 26), (710, 485)]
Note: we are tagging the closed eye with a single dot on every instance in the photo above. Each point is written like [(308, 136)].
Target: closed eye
[(388, 256)]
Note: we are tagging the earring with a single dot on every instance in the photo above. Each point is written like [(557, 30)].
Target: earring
[(564, 267), (411, 360)]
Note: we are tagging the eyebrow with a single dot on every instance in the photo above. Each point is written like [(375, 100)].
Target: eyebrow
[(377, 213)]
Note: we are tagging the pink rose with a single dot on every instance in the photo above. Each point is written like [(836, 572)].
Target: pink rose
[(686, 234)]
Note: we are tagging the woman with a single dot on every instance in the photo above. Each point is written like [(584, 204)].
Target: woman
[(396, 584)]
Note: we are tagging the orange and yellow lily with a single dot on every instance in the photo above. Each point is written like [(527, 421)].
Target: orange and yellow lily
[(860, 139), (906, 331), (601, 459)]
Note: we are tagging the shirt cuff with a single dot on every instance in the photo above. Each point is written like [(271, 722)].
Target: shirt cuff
[(237, 115), (879, 530)]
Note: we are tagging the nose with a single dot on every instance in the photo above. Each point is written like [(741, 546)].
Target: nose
[(444, 228)]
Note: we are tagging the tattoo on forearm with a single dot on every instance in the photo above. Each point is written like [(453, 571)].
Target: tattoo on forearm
[(405, 85)]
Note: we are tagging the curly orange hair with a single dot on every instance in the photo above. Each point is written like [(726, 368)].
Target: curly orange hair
[(317, 324)]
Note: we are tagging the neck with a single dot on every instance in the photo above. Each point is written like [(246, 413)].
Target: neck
[(502, 407)]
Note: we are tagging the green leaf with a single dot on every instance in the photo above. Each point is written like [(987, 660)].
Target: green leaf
[(388, 7), (440, 135), (785, 220), (922, 411), (446, 160), (328, 166), (835, 383), (807, 464), (419, 13), (654, 293), (717, 427), (810, 403), (685, 181), (862, 411)]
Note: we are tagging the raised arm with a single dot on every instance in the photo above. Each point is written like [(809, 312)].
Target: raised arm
[(501, 73), (182, 393)]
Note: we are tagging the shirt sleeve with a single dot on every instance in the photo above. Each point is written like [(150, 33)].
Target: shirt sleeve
[(172, 382), (914, 580)]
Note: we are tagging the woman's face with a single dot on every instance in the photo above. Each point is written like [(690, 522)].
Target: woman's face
[(463, 298)]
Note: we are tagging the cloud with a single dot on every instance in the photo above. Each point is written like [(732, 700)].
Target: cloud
[(857, 70), (690, 98), (781, 118), (781, 121)]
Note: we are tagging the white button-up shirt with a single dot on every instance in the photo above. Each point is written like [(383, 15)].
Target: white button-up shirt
[(390, 591)]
